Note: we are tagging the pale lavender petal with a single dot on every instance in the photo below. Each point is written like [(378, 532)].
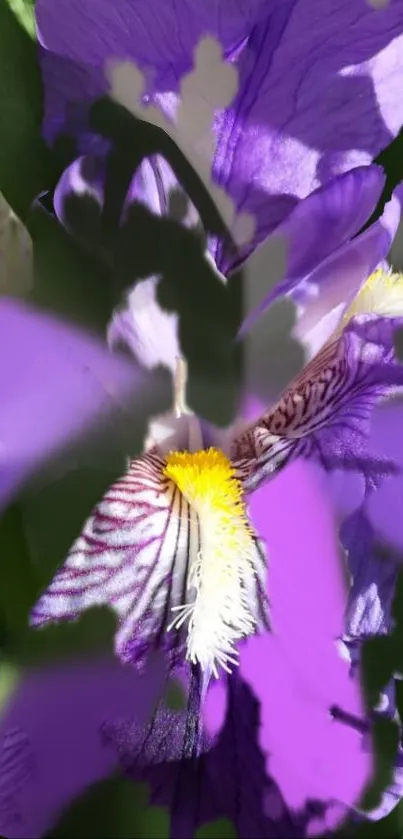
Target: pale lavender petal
[(152, 185), (51, 747), (84, 178), (58, 383), (147, 330), (322, 295), (325, 220)]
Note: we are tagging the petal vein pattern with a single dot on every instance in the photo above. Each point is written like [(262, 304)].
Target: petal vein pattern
[(326, 411), (140, 552), (134, 555)]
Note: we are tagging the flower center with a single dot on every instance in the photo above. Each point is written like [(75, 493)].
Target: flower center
[(381, 294), (219, 611)]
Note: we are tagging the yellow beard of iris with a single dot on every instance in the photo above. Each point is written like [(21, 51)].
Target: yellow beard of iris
[(381, 294), (219, 615)]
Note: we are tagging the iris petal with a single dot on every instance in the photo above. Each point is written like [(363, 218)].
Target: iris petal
[(325, 414), (133, 554), (136, 553)]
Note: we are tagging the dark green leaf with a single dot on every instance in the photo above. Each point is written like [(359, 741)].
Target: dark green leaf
[(26, 165), (220, 829), (91, 634), (18, 586), (113, 809)]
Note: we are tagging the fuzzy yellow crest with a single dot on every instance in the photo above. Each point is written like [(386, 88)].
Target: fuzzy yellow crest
[(219, 610), (381, 294)]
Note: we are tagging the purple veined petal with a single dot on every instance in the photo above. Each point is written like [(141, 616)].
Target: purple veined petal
[(240, 777), (328, 218), (385, 506), (374, 576), (230, 780), (301, 742), (295, 122), (133, 554), (137, 553), (57, 384), (161, 40), (51, 747), (325, 413)]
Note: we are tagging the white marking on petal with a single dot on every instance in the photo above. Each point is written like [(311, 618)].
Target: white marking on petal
[(133, 554)]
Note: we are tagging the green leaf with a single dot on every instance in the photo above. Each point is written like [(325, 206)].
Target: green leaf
[(385, 736), (18, 586), (113, 809), (9, 680), (219, 829), (26, 165), (69, 281), (175, 697), (54, 513), (24, 12), (90, 635)]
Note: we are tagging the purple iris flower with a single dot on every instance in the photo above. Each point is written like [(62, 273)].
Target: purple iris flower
[(184, 501)]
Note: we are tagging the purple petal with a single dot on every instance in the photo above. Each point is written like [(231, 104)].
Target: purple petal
[(161, 39), (325, 413), (51, 747), (150, 333), (294, 124), (322, 295), (369, 610), (325, 220), (302, 743), (216, 785), (385, 506), (83, 178), (271, 769), (152, 184), (317, 92), (58, 383)]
